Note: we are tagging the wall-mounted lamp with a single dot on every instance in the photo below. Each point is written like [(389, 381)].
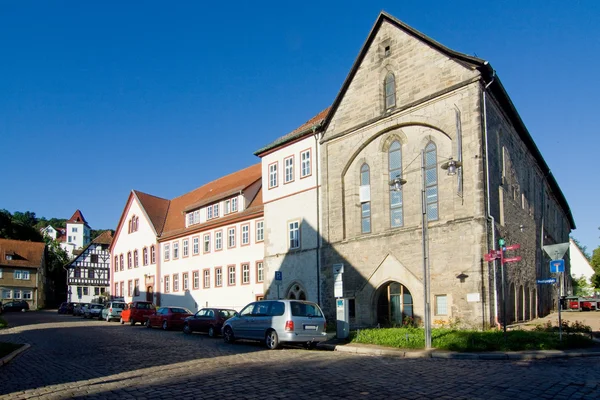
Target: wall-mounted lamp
[(462, 276), (396, 184), (451, 166)]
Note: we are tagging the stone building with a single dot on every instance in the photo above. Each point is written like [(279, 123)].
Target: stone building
[(409, 107)]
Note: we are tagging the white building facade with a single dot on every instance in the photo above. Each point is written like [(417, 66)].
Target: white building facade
[(77, 234)]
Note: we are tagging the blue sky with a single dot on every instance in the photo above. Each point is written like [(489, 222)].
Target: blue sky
[(101, 98)]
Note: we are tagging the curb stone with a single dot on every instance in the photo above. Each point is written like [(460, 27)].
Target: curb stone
[(6, 359), (510, 355)]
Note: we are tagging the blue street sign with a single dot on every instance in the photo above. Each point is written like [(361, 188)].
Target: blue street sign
[(278, 275), (557, 266), (549, 280)]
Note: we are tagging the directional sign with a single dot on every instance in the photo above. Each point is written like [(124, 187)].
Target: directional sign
[(512, 247), (557, 266), (512, 259), (278, 275), (489, 257), (545, 281)]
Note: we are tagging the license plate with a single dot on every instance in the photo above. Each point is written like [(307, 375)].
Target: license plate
[(310, 327)]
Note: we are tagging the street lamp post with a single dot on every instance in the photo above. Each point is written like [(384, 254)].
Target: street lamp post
[(395, 184)]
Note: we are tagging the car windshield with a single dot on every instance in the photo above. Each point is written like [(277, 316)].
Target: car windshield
[(305, 309), (118, 305), (144, 306), (226, 313), (180, 310), (96, 306)]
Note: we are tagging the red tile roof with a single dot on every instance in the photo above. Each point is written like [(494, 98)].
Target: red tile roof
[(104, 238), (77, 218), (156, 208), (302, 130), (24, 254)]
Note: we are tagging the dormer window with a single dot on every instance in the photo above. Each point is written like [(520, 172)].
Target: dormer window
[(9, 257), (234, 205), (216, 210)]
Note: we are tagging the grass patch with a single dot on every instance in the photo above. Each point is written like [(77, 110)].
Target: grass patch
[(3, 323), (471, 340), (7, 348)]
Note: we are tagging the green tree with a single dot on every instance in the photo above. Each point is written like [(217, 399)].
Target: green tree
[(595, 263), (581, 287)]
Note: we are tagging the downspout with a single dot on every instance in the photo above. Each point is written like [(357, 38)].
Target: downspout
[(490, 217), (318, 252)]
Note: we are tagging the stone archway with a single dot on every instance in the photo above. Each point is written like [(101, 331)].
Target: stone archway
[(296, 292), (394, 303)]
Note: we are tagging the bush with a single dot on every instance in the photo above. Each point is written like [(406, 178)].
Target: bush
[(3, 323)]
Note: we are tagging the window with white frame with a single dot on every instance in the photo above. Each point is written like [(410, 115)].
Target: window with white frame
[(195, 246), (305, 166), (234, 205), (185, 247), (122, 288), (1, 272), (206, 278), (441, 304), (273, 175), (17, 294), (175, 282), (129, 260), (197, 216), (122, 262), (245, 273), (116, 289), (218, 240), (209, 212), (17, 274), (175, 250), (216, 210), (153, 254), (260, 272), (260, 225), (74, 229), (218, 277), (196, 278), (294, 234), (186, 283), (136, 262), (227, 206), (130, 288), (167, 250), (6, 294), (245, 234), (289, 169), (231, 237), (116, 264), (190, 219), (207, 243), (136, 287), (167, 284), (27, 294), (145, 255), (231, 281), (21, 275)]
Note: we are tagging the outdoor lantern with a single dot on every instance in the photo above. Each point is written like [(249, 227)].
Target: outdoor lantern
[(451, 165)]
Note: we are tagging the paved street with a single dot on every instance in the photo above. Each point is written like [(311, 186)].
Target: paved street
[(75, 358)]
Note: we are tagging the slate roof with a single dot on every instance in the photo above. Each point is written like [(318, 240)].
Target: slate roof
[(25, 254)]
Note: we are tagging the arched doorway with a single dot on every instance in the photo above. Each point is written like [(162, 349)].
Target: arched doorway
[(394, 304), (149, 294), (296, 292), (520, 305)]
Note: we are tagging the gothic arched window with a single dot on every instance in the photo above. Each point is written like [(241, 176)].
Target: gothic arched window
[(431, 182), (395, 171)]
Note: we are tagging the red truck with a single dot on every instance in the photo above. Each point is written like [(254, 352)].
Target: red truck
[(137, 311)]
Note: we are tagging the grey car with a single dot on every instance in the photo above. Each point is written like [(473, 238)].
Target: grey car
[(276, 322), (112, 310), (93, 310)]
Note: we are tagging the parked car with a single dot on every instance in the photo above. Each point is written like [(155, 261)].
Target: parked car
[(78, 309), (112, 310), (168, 318), (65, 308), (16, 305), (137, 311), (93, 310), (276, 322), (207, 320)]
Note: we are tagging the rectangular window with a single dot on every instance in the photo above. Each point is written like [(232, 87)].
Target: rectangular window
[(245, 234), (260, 272), (216, 210), (195, 246), (27, 294), (190, 219), (17, 274), (96, 291), (136, 262), (17, 294), (175, 250), (129, 260), (231, 281), (207, 243), (116, 289), (227, 206), (0, 273), (294, 234), (365, 225), (197, 216), (441, 305), (122, 288), (94, 258), (245, 274), (289, 169), (6, 294), (69, 239), (273, 175), (136, 287), (185, 247), (129, 288), (196, 278), (231, 237), (260, 225), (234, 204), (175, 282), (25, 275), (167, 284), (206, 278), (167, 250), (91, 274), (186, 283), (218, 240), (305, 163), (209, 212), (218, 277), (153, 255), (86, 291)]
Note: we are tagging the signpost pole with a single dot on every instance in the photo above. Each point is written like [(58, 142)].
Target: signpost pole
[(503, 289), (560, 279)]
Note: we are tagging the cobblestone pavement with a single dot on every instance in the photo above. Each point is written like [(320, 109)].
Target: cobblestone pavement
[(75, 358)]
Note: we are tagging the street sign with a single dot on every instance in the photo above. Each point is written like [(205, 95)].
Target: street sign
[(515, 246), (501, 242), (278, 275), (557, 266), (556, 251), (492, 255), (512, 259), (545, 281)]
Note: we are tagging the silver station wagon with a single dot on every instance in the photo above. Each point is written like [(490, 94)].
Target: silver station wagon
[(276, 322)]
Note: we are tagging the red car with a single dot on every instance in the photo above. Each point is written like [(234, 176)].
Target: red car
[(137, 311), (209, 320), (168, 318)]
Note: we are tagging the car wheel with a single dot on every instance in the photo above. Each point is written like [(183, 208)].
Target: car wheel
[(108, 318), (165, 325), (272, 340), (311, 345), (148, 325), (121, 321), (228, 335), (186, 329), (132, 322), (211, 331)]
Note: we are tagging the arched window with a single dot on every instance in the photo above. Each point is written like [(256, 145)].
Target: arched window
[(431, 182), (395, 170), (116, 263), (145, 256), (390, 91), (129, 260), (153, 254), (135, 259), (365, 199), (137, 223), (122, 264)]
